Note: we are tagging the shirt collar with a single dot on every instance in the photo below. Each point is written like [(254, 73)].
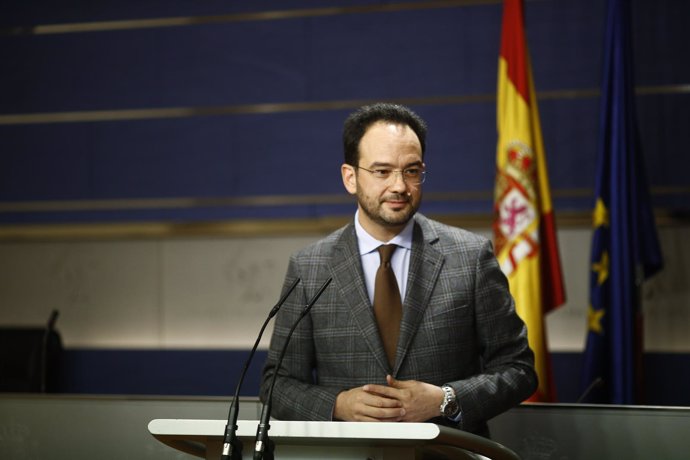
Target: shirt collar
[(368, 243)]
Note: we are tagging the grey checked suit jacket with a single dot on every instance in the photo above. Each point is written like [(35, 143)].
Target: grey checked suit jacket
[(459, 327)]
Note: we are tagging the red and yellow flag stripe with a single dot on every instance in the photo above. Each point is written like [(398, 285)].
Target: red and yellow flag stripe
[(524, 227)]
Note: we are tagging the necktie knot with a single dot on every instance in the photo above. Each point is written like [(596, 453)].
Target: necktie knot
[(386, 252)]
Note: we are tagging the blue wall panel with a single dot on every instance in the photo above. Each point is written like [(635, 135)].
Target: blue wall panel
[(31, 12), (177, 372), (214, 64), (442, 61)]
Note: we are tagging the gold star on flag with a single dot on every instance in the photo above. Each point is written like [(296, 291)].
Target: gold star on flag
[(602, 268), (594, 320), (601, 214)]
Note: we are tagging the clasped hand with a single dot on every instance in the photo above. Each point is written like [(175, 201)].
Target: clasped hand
[(399, 401)]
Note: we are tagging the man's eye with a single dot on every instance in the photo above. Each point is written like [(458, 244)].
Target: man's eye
[(413, 172), (382, 172)]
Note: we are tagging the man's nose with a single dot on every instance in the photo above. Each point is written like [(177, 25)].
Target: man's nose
[(397, 181)]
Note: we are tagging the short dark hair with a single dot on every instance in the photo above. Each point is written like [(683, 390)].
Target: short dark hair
[(361, 119)]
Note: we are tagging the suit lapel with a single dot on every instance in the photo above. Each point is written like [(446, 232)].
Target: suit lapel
[(425, 265), (346, 269)]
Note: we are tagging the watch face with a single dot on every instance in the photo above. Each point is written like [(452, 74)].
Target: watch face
[(450, 408)]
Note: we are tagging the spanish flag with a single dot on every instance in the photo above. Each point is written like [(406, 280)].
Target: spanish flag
[(524, 226)]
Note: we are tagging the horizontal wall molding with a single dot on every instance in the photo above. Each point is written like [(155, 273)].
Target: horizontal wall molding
[(171, 203), (300, 13), (242, 228), (271, 108), (54, 206), (242, 109)]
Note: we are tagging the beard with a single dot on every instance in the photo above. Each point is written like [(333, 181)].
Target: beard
[(376, 212)]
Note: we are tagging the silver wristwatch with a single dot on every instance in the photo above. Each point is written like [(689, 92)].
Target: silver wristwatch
[(449, 406)]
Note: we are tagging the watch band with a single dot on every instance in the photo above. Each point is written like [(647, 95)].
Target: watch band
[(449, 407)]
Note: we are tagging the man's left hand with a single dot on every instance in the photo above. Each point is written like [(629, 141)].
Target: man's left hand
[(420, 400)]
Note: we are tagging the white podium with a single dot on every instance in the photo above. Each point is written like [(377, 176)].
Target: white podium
[(332, 440)]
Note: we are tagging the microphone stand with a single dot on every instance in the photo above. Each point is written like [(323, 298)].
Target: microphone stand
[(45, 345), (264, 446), (596, 383), (232, 446)]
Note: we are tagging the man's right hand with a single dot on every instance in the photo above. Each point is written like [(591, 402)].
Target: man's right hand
[(366, 406)]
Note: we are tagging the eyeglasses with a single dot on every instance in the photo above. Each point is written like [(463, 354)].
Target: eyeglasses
[(412, 176)]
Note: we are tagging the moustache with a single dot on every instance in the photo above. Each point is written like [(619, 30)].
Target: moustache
[(397, 197)]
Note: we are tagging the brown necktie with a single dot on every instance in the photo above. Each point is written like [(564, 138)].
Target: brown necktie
[(387, 304)]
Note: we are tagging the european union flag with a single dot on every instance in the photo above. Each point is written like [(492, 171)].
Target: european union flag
[(625, 245)]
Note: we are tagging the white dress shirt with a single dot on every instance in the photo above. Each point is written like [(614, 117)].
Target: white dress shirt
[(400, 262)]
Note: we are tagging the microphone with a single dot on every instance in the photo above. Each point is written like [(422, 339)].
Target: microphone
[(263, 444), (232, 446)]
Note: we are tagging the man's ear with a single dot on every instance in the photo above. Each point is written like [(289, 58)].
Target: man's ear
[(349, 178)]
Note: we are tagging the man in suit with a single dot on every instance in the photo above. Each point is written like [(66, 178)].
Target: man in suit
[(459, 355)]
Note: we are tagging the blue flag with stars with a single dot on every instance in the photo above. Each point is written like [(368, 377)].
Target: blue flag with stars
[(625, 245)]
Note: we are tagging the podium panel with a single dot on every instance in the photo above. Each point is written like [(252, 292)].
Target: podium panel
[(332, 440)]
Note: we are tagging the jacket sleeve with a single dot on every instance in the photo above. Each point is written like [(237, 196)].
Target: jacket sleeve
[(507, 374)]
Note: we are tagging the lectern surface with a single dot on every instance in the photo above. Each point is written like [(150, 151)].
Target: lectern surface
[(333, 440)]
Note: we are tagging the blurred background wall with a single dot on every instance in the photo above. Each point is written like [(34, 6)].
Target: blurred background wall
[(160, 160)]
